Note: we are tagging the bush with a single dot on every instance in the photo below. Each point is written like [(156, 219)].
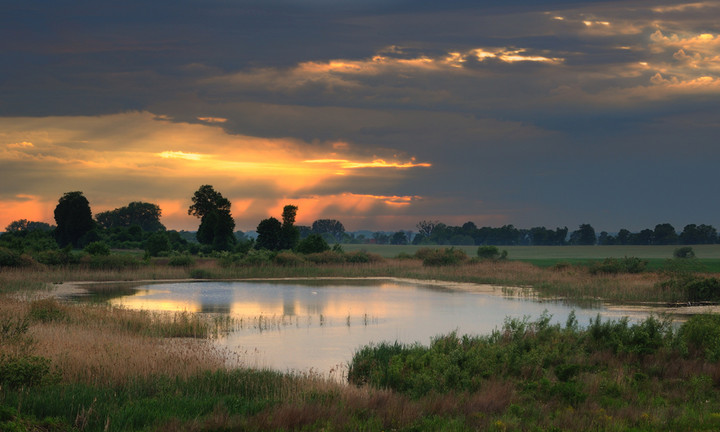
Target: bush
[(97, 248), (327, 257), (444, 257), (157, 242), (181, 260), (257, 257), (9, 258), (111, 262), (488, 252), (684, 252), (703, 289), (288, 259), (362, 256), (619, 265), (25, 371), (701, 334), (404, 256)]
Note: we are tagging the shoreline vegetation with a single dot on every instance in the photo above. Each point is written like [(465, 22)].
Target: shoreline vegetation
[(92, 367)]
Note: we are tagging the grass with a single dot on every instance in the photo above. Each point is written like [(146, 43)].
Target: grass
[(711, 252)]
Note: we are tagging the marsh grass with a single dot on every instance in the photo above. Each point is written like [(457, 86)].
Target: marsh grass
[(566, 281), (116, 369)]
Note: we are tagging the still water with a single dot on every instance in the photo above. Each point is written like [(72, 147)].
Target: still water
[(318, 325)]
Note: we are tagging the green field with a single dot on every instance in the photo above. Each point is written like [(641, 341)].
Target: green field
[(708, 256)]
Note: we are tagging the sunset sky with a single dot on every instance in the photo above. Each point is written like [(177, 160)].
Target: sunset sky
[(376, 113)]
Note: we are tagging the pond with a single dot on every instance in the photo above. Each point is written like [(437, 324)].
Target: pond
[(316, 325)]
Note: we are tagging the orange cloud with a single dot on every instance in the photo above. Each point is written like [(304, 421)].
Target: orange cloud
[(377, 163), (28, 207), (163, 162)]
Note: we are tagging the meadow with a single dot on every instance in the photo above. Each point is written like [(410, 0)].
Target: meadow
[(93, 367)]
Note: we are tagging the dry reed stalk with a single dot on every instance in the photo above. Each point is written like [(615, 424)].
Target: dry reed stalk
[(102, 356)]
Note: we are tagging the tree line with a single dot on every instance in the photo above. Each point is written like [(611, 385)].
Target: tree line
[(138, 226), (437, 233)]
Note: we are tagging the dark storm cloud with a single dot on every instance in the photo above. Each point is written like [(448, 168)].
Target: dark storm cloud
[(520, 107)]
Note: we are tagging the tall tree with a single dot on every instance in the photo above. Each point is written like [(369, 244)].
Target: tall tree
[(269, 234), (290, 234), (216, 222), (331, 226), (73, 218), (664, 234), (145, 215), (28, 226), (584, 235)]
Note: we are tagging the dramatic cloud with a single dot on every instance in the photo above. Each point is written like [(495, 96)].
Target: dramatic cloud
[(378, 114)]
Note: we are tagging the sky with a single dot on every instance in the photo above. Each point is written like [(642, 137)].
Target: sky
[(379, 114)]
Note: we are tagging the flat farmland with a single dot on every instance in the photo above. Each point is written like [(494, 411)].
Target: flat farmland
[(708, 255)]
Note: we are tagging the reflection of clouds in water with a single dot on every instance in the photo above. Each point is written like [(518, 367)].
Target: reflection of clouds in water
[(320, 325)]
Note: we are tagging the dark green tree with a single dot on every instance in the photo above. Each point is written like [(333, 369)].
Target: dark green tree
[(330, 226), (584, 235), (157, 242), (314, 243), (269, 234), (145, 215), (290, 234), (399, 238), (623, 237), (28, 226), (73, 218), (664, 234), (216, 223), (699, 234)]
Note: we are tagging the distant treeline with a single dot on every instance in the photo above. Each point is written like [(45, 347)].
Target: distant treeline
[(138, 226), (437, 233)]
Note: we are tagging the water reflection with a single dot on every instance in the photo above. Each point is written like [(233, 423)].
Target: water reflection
[(302, 325)]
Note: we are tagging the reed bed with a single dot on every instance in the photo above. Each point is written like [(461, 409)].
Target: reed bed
[(573, 282)]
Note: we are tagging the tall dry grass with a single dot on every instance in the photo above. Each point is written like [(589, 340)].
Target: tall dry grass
[(97, 344)]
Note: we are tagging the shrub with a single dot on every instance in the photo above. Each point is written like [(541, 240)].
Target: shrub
[(404, 256), (9, 258), (619, 265), (227, 259), (257, 257), (684, 252), (111, 262), (157, 242), (327, 257), (288, 259), (97, 248), (703, 289), (444, 257), (181, 260), (25, 371), (488, 252), (424, 252), (362, 256), (701, 334)]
